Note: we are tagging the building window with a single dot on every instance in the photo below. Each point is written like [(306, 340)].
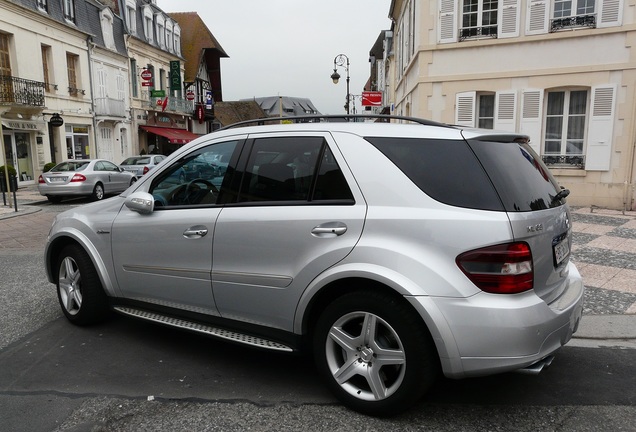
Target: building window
[(5, 58), (43, 5), (486, 111), (131, 17), (162, 79), (71, 65), (565, 120), (479, 18), (573, 13), (46, 54), (133, 78), (69, 10)]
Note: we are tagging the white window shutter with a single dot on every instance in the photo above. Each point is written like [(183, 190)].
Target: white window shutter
[(537, 17), (505, 110), (465, 104), (508, 19), (531, 116), (601, 128), (447, 27), (610, 13)]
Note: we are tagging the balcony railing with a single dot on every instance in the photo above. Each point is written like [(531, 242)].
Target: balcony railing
[(20, 91), (572, 22), (75, 91), (558, 161), (477, 32), (110, 107), (173, 104)]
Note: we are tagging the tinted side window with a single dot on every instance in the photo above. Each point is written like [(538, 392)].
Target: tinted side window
[(523, 182), (447, 171), (285, 168), (195, 179)]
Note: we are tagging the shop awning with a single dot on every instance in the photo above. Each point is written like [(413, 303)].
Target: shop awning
[(175, 136)]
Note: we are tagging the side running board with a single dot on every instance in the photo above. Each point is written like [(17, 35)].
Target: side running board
[(204, 329)]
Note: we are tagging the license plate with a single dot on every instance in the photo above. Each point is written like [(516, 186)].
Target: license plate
[(57, 179), (561, 251)]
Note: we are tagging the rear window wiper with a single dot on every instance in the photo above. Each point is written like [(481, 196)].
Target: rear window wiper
[(562, 194)]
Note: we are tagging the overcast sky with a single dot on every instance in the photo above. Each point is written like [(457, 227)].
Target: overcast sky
[(287, 47)]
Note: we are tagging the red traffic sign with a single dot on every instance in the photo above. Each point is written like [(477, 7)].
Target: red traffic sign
[(190, 95), (146, 74)]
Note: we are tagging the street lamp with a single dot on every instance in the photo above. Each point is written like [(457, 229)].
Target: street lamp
[(342, 61)]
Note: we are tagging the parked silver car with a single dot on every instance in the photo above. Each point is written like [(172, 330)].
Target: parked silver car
[(388, 251), (84, 177), (140, 165)]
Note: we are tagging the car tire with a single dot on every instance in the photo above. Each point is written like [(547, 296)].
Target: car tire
[(98, 192), (54, 199), (79, 289), (374, 352), (133, 181)]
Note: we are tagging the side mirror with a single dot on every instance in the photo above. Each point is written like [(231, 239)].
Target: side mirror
[(140, 202)]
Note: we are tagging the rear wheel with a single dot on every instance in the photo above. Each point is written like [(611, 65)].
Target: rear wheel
[(98, 192), (374, 352), (79, 289)]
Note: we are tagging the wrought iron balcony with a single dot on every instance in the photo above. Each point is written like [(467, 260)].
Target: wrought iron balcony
[(478, 32), (559, 161), (572, 22), (20, 91), (75, 91), (110, 107)]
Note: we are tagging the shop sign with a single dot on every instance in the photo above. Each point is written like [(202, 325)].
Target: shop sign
[(175, 75), (158, 93), (190, 95), (146, 74), (25, 125), (209, 100), (56, 120), (372, 98)]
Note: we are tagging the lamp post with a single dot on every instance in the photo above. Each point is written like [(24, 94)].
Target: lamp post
[(342, 61)]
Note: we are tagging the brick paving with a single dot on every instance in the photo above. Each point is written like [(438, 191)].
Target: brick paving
[(604, 248)]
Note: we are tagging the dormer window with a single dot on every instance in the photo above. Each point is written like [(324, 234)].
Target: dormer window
[(169, 37), (131, 16), (43, 5), (161, 30), (177, 39), (148, 27), (69, 10), (107, 28)]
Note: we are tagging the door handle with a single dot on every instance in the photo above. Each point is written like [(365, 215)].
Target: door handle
[(329, 229), (195, 232)]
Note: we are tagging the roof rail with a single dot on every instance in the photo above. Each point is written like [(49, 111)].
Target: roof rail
[(333, 118)]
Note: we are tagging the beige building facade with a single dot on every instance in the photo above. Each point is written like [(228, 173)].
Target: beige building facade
[(561, 72)]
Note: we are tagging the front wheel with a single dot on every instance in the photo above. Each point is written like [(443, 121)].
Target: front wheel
[(79, 289), (374, 352)]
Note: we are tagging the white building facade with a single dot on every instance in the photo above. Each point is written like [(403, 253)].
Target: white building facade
[(559, 71)]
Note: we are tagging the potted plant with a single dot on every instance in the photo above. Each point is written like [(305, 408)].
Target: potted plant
[(13, 181)]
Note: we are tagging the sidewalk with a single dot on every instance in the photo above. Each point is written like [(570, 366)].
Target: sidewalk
[(25, 195), (603, 249)]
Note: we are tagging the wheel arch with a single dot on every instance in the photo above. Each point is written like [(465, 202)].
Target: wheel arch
[(58, 243)]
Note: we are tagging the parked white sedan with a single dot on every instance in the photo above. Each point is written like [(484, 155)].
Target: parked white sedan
[(84, 177)]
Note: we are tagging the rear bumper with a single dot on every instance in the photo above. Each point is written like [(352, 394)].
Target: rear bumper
[(489, 333), (79, 188)]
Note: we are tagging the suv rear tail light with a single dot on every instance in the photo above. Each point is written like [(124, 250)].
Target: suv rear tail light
[(500, 269), (78, 178)]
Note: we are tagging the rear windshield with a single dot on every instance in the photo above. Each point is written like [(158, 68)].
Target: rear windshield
[(70, 166), (446, 170), (522, 180), (485, 175), (136, 161)]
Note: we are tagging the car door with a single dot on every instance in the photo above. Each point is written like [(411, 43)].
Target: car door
[(298, 212), (165, 257)]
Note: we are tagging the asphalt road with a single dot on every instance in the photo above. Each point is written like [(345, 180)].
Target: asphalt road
[(127, 375)]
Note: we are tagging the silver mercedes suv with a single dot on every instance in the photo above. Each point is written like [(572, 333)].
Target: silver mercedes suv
[(389, 251)]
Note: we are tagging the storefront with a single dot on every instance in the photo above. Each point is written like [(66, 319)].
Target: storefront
[(77, 142), (24, 147), (165, 132)]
